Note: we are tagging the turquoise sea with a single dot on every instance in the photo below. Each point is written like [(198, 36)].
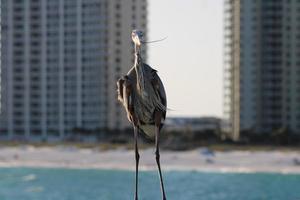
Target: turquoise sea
[(70, 184)]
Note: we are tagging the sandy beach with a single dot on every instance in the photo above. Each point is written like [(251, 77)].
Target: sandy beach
[(200, 159)]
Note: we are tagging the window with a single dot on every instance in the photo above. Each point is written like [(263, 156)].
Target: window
[(118, 6)]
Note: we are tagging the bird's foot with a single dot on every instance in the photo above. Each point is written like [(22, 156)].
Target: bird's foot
[(135, 198)]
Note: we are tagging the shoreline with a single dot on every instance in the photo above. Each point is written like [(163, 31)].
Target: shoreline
[(200, 160), (164, 169)]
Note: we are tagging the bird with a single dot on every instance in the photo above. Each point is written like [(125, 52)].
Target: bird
[(142, 94)]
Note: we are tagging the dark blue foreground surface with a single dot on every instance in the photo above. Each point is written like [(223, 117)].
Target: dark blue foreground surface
[(66, 184)]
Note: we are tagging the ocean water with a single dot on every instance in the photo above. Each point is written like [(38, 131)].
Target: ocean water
[(70, 184)]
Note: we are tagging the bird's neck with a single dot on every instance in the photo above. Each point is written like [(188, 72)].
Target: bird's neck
[(137, 55), (137, 59), (138, 66)]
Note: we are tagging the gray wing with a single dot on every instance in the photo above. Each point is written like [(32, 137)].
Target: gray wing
[(124, 89), (159, 88)]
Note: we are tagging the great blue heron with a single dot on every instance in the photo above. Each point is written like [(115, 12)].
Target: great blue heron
[(143, 95)]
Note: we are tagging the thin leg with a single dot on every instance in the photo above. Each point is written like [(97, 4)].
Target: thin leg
[(137, 158), (158, 162)]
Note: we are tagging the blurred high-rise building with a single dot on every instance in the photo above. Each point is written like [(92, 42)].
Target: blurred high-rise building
[(60, 60), (262, 66)]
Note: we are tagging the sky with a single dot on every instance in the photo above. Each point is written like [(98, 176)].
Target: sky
[(190, 60)]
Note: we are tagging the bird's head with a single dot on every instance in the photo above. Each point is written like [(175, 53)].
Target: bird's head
[(137, 37)]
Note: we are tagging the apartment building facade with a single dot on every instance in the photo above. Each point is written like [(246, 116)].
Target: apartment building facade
[(261, 66), (60, 60)]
